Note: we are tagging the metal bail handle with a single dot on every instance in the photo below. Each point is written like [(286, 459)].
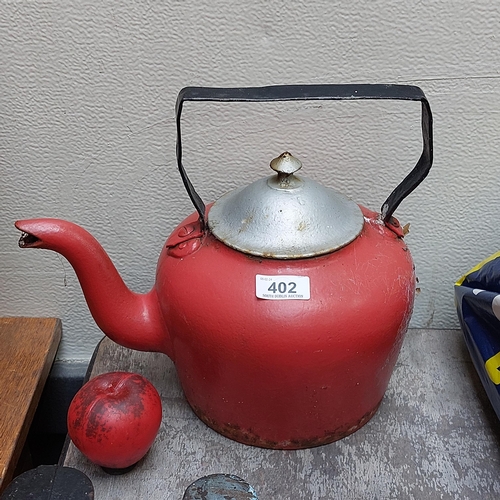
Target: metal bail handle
[(317, 92)]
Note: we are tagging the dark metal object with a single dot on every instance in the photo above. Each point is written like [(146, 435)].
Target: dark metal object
[(317, 92), (220, 487), (50, 482)]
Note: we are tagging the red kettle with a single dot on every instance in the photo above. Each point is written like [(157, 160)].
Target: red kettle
[(283, 304)]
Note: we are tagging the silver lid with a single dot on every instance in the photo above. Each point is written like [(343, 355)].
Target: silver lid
[(285, 216)]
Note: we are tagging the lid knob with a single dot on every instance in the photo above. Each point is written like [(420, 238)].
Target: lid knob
[(286, 163)]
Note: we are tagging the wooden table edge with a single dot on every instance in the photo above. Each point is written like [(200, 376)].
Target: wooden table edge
[(54, 341)]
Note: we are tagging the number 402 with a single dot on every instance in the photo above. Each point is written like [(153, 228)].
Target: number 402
[(283, 287)]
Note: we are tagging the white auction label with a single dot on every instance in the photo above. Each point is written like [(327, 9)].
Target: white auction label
[(282, 287)]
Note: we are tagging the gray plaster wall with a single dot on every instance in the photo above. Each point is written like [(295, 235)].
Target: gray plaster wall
[(87, 94)]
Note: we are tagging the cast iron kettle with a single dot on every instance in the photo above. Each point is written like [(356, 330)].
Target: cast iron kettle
[(283, 305)]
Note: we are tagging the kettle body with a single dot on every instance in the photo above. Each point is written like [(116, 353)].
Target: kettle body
[(286, 374)]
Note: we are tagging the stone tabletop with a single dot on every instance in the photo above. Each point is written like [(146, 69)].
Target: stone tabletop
[(434, 436)]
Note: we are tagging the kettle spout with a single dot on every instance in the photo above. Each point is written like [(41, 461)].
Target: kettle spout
[(130, 319)]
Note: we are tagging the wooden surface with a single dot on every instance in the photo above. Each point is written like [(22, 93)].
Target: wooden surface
[(435, 436), (27, 349)]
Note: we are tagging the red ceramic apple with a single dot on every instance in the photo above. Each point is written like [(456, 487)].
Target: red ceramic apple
[(114, 418)]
